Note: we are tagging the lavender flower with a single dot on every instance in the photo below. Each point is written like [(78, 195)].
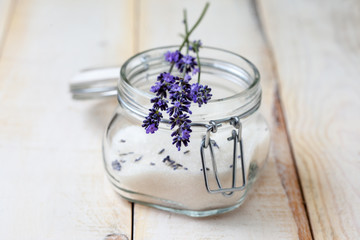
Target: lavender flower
[(178, 108), (163, 84), (200, 94), (168, 77), (195, 46), (173, 57), (187, 63), (159, 103), (152, 128), (182, 134), (179, 120), (178, 92), (151, 122)]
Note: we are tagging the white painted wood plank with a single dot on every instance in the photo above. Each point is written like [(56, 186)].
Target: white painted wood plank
[(266, 214), (52, 181), (317, 50)]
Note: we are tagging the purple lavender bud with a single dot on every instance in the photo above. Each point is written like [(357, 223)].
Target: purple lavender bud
[(156, 87), (168, 78), (200, 94), (152, 121), (195, 71), (187, 64), (173, 57), (159, 103), (180, 65), (195, 88), (195, 45), (116, 165), (179, 119), (182, 135), (168, 56), (185, 134), (151, 129), (187, 59), (187, 78), (177, 142), (175, 88)]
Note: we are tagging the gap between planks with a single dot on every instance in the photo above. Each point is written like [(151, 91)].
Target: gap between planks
[(290, 177), (8, 8), (136, 35), (132, 220), (136, 21), (287, 170)]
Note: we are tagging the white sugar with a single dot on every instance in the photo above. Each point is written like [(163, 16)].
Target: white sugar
[(180, 178)]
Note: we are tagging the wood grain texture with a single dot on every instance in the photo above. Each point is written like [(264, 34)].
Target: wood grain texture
[(273, 210), (317, 50), (52, 180)]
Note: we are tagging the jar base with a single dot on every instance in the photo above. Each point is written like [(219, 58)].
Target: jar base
[(190, 213), (125, 194)]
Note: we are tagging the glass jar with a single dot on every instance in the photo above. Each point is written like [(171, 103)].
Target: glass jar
[(228, 147)]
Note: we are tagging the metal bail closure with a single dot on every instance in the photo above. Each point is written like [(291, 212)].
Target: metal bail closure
[(236, 137)]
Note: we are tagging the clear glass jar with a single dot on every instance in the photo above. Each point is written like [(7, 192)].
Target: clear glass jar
[(148, 169)]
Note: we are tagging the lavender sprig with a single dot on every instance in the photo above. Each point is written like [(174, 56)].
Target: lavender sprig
[(178, 90)]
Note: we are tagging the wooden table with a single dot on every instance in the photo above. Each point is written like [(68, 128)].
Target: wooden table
[(52, 183)]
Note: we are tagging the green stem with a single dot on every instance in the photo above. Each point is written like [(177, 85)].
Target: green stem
[(186, 38), (196, 24), (199, 65), (186, 31)]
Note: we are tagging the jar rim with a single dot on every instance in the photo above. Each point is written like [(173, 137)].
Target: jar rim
[(249, 88), (242, 104)]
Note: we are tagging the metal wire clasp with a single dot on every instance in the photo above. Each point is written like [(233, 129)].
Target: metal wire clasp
[(236, 137)]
